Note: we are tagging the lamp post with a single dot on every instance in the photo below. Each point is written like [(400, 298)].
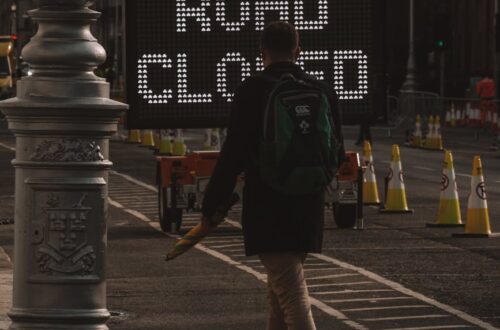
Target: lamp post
[(62, 118), (410, 83)]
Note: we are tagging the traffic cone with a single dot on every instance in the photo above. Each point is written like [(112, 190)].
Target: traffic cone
[(165, 144), (179, 148), (453, 119), (478, 222), (215, 139), (438, 140), (395, 199), (460, 116), (429, 137), (417, 134), (134, 136), (207, 139), (447, 118), (148, 139), (449, 205), (370, 192)]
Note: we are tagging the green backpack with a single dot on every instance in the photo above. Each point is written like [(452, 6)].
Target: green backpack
[(298, 151)]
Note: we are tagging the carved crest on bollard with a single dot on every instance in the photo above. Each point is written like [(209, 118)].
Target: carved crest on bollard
[(67, 150), (65, 249)]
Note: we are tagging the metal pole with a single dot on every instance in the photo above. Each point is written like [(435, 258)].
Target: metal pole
[(442, 59), (410, 82), (62, 118)]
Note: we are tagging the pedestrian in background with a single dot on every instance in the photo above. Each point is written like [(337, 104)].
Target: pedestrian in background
[(364, 132), (485, 89), (280, 228)]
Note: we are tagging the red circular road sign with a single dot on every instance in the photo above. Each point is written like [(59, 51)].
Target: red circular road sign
[(445, 182), (481, 190)]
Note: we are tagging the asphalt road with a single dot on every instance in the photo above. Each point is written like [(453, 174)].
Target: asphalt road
[(454, 281)]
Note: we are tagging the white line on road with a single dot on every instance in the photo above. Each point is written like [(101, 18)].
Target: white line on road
[(137, 182), (458, 326), (367, 309), (338, 284), (321, 305), (351, 291), (321, 269), (7, 147), (225, 246), (368, 299), (394, 318), (424, 168), (463, 175), (402, 289), (331, 276)]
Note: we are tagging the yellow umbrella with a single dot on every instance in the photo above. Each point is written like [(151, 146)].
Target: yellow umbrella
[(199, 232)]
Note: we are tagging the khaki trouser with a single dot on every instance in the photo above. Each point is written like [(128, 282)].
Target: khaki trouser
[(289, 306)]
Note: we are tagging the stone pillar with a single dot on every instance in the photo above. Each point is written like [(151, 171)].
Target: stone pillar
[(62, 118)]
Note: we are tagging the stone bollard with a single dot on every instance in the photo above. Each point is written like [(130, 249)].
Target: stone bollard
[(62, 118)]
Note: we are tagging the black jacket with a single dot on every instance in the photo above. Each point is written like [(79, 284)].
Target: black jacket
[(272, 221)]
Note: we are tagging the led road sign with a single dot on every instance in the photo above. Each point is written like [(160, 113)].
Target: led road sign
[(186, 57)]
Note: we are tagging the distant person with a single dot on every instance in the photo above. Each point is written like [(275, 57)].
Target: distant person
[(281, 227), (485, 89), (364, 133)]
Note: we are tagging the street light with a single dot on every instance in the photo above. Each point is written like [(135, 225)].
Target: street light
[(410, 84)]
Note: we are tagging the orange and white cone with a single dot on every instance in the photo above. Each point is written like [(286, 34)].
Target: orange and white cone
[(449, 205), (395, 201), (147, 139), (429, 137), (370, 191), (417, 134), (134, 136), (478, 221)]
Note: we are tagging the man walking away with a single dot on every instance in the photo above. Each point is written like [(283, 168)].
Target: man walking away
[(280, 224)]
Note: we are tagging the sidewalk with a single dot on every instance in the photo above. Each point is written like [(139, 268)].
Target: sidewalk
[(5, 288)]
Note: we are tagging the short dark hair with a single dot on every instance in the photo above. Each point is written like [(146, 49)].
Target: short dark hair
[(280, 39)]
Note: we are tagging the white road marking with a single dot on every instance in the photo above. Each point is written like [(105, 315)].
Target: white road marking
[(338, 284), (7, 147), (331, 276), (321, 269), (424, 168), (367, 299), (224, 246), (458, 326), (136, 214), (402, 289), (137, 182), (394, 318), (4, 255), (319, 304), (351, 291), (463, 175), (226, 241), (366, 309)]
